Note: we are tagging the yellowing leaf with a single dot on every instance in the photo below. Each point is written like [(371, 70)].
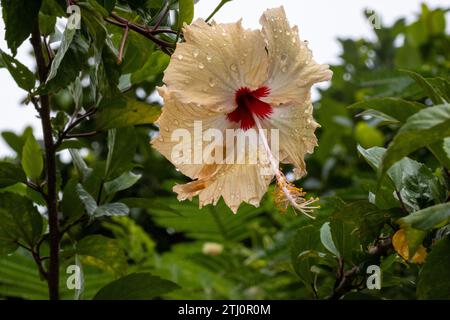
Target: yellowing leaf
[(400, 244)]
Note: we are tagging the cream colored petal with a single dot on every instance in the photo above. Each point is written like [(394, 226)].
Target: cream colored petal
[(296, 127), (292, 71), (235, 183), (177, 116), (214, 61)]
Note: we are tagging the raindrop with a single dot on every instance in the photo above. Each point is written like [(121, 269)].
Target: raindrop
[(283, 56), (180, 57), (233, 67), (284, 69), (208, 58), (212, 82), (195, 53), (176, 122), (242, 61), (253, 201), (201, 66), (166, 129), (161, 139), (294, 40)]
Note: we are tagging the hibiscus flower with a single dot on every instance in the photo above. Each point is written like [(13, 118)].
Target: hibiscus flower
[(230, 78)]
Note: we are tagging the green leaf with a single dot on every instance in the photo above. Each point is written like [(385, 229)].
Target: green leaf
[(434, 278), (121, 149), (103, 253), (125, 181), (16, 142), (112, 209), (83, 170), (398, 109), (136, 286), (62, 50), (427, 87), (107, 4), (20, 17), (19, 221), (89, 202), (72, 207), (305, 240), (327, 239), (368, 136), (32, 159), (441, 150), (71, 57), (429, 218), (124, 112), (344, 238), (10, 174), (211, 223), (412, 180), (46, 24), (367, 218), (21, 74), (19, 278), (53, 8), (154, 66), (422, 129), (109, 209), (186, 12)]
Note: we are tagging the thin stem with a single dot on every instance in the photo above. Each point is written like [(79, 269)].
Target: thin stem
[(162, 17), (50, 160), (145, 31), (221, 4), (73, 123), (122, 44)]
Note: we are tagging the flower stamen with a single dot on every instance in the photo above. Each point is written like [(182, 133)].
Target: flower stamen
[(286, 193)]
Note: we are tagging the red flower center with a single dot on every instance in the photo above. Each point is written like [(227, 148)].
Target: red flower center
[(248, 104)]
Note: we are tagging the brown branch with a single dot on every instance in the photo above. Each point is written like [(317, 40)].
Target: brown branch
[(50, 160), (73, 123), (143, 30)]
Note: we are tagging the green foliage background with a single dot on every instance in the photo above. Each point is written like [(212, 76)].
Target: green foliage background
[(382, 165)]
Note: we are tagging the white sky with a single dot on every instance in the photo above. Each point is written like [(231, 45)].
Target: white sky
[(320, 22)]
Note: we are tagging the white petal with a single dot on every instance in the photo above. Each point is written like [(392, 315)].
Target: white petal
[(214, 62), (296, 127), (292, 71)]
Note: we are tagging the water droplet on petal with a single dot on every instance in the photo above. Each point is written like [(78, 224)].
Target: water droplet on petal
[(208, 58), (283, 56), (180, 57), (161, 139), (176, 122), (201, 66), (253, 201), (212, 82), (284, 69), (242, 61), (166, 129), (233, 67), (195, 53)]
